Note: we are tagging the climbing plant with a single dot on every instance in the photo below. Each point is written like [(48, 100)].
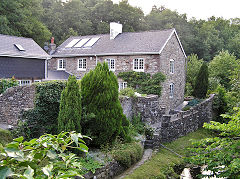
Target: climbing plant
[(143, 82)]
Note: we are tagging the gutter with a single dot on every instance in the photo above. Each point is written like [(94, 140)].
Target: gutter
[(107, 54), (25, 56)]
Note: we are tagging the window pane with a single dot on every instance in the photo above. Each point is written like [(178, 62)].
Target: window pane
[(84, 64), (135, 64), (141, 64)]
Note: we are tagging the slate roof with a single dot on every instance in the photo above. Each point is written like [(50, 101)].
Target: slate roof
[(32, 49), (57, 75), (148, 42)]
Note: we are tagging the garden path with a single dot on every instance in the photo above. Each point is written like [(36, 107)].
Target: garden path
[(146, 156)]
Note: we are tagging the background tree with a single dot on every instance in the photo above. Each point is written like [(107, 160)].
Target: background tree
[(100, 100), (201, 84), (22, 18), (70, 109), (222, 66), (193, 66)]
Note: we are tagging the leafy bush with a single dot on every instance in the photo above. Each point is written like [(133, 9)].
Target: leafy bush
[(43, 118), (45, 157), (220, 151), (127, 154), (5, 137), (201, 84), (144, 82), (70, 110), (127, 92), (7, 83), (99, 90)]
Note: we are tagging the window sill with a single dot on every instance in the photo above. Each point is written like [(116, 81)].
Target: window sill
[(138, 70), (82, 69), (61, 69)]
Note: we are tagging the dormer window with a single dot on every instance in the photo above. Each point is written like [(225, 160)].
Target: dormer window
[(171, 66), (61, 64), (138, 64)]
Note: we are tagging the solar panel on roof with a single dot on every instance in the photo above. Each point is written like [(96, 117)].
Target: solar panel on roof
[(19, 47), (72, 43), (91, 42), (82, 42)]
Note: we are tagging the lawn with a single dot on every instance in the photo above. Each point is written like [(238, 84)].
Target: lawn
[(162, 163)]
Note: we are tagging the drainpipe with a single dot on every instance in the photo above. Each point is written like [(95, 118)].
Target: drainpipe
[(46, 68), (96, 59)]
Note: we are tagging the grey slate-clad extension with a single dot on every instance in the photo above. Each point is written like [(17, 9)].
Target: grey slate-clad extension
[(22, 58)]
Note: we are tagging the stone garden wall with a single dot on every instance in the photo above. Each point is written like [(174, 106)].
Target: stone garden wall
[(183, 122), (14, 101)]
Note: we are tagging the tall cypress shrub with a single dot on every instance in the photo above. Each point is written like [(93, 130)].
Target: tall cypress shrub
[(201, 84), (100, 100), (70, 109)]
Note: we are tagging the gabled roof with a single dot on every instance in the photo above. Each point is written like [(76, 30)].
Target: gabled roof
[(9, 46), (128, 43)]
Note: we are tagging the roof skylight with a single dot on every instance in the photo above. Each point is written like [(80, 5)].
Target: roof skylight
[(19, 47), (72, 43), (91, 42), (82, 42)]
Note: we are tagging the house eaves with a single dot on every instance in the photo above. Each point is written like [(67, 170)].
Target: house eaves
[(107, 54), (24, 56)]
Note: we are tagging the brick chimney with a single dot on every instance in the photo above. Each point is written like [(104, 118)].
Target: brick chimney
[(115, 29), (52, 46)]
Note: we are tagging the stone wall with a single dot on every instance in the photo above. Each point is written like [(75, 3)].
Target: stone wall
[(183, 122), (13, 101), (148, 107)]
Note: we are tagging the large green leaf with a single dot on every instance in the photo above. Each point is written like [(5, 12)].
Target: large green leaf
[(5, 172), (29, 173)]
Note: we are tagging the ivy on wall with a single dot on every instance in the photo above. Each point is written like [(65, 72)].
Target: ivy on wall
[(143, 82), (7, 83), (43, 117)]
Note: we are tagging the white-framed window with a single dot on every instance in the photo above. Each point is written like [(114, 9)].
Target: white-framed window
[(111, 64), (37, 81), (61, 64), (138, 64), (171, 66), (82, 64), (171, 90), (24, 82), (122, 85)]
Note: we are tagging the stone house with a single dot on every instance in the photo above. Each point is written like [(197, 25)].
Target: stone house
[(22, 58), (150, 52)]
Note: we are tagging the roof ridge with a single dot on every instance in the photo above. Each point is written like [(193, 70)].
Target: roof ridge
[(16, 36), (122, 33)]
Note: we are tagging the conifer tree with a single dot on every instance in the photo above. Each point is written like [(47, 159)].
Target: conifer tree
[(100, 100), (201, 84), (70, 109)]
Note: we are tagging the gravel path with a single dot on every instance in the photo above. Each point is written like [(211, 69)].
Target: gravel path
[(146, 156)]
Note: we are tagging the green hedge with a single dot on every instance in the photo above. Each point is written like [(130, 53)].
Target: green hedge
[(128, 154), (43, 118)]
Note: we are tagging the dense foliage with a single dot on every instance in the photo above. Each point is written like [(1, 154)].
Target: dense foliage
[(220, 154), (193, 67), (127, 154), (43, 117), (45, 157), (201, 84), (7, 83), (104, 119), (70, 110), (143, 82)]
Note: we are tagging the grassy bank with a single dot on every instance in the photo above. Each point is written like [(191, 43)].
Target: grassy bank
[(5, 137), (161, 164)]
